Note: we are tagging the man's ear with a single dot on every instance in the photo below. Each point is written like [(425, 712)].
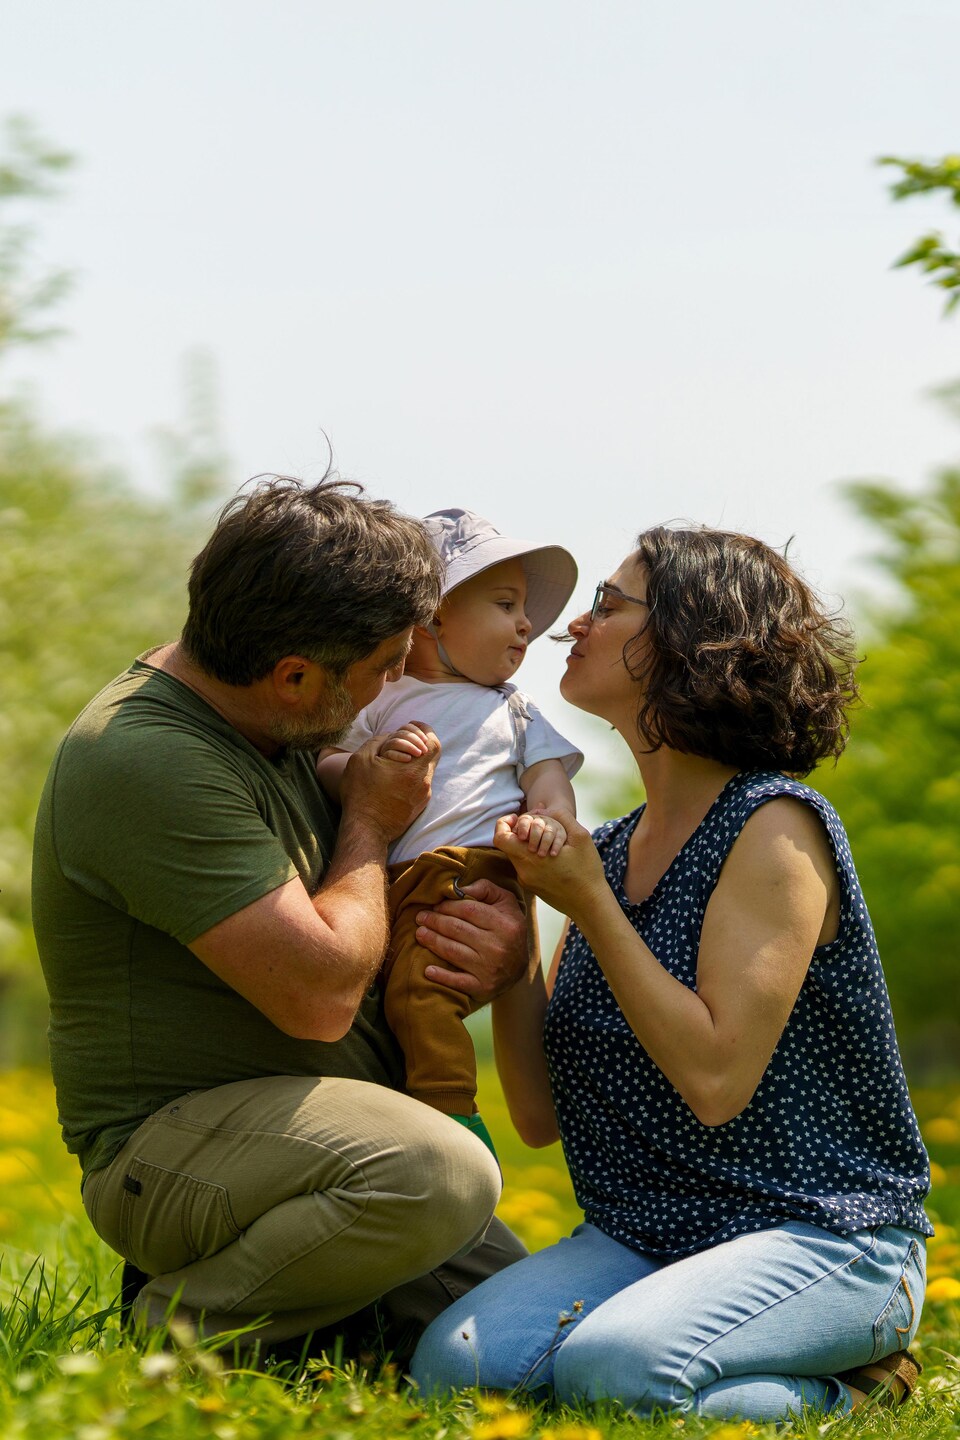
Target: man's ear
[(294, 678)]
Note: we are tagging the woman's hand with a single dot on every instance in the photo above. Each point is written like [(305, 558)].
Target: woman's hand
[(568, 879)]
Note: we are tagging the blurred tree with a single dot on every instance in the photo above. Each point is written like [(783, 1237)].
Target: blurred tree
[(897, 787), (92, 572), (931, 252), (28, 172)]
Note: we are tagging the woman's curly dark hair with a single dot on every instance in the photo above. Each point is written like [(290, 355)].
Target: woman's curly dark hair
[(738, 659)]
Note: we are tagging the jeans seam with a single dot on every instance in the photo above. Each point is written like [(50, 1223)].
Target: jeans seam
[(903, 1330), (827, 1274), (902, 1284)]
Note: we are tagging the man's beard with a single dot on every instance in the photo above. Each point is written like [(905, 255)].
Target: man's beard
[(303, 732)]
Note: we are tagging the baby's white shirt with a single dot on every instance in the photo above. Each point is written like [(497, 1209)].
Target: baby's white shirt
[(481, 760)]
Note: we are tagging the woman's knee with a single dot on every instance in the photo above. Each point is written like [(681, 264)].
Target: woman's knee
[(494, 1337), (626, 1361), (446, 1357)]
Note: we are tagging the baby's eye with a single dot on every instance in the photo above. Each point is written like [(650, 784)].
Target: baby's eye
[(507, 605)]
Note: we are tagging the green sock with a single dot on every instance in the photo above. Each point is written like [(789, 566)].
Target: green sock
[(474, 1123)]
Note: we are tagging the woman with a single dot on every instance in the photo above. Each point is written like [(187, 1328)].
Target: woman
[(718, 1052)]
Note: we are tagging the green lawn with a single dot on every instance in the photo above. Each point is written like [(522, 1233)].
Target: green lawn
[(65, 1372)]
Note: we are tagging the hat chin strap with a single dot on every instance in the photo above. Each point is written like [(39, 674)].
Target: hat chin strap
[(445, 658)]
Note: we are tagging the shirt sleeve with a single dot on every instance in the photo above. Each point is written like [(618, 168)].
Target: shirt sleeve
[(543, 742), (173, 835)]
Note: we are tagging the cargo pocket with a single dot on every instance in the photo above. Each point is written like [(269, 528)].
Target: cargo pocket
[(169, 1219), (897, 1323)]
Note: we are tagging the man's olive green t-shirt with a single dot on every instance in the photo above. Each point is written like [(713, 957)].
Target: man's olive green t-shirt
[(158, 820)]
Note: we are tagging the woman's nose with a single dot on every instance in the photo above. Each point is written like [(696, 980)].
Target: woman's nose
[(579, 624)]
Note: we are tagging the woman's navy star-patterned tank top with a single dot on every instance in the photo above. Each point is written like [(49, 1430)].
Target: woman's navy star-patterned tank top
[(829, 1137)]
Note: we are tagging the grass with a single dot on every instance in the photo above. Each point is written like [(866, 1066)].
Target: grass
[(64, 1370)]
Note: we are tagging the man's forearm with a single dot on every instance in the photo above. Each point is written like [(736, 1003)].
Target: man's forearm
[(304, 960), (352, 904), (307, 961)]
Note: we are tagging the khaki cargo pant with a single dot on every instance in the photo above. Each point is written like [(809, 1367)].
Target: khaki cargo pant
[(301, 1199), (427, 1018)]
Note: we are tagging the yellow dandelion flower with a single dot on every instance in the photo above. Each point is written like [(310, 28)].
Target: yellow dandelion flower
[(491, 1404), (944, 1287), (528, 1202), (942, 1130), (17, 1126), (509, 1425), (938, 1176), (13, 1169)]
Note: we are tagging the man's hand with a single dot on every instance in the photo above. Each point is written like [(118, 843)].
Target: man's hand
[(482, 941), (380, 794)]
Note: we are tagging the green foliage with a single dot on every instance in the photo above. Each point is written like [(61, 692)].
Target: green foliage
[(931, 252), (897, 787), (90, 575), (38, 1322), (92, 572), (65, 1370), (28, 172)]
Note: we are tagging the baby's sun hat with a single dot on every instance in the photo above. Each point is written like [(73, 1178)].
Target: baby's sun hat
[(468, 544)]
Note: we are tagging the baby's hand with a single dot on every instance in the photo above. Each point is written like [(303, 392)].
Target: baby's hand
[(540, 832), (405, 744)]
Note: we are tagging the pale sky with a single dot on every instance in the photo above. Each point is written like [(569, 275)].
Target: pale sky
[(581, 267)]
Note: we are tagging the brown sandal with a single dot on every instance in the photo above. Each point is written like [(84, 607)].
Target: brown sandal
[(901, 1365)]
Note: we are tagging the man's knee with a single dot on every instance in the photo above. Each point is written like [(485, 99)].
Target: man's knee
[(453, 1179)]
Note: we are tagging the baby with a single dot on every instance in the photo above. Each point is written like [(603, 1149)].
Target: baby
[(499, 756)]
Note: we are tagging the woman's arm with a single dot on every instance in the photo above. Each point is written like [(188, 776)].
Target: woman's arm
[(765, 918), (518, 1050)]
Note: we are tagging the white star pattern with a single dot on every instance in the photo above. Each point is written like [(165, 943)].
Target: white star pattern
[(829, 1137)]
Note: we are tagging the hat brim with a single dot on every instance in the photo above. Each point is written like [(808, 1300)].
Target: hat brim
[(551, 575)]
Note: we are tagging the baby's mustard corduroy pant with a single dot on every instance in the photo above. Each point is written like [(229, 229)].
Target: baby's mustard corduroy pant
[(427, 1018)]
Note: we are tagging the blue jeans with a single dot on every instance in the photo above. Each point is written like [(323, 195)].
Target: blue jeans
[(756, 1328)]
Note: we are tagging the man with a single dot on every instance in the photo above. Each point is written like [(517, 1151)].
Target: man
[(210, 931)]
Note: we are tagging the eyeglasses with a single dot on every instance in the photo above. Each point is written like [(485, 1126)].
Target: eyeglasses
[(604, 588)]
